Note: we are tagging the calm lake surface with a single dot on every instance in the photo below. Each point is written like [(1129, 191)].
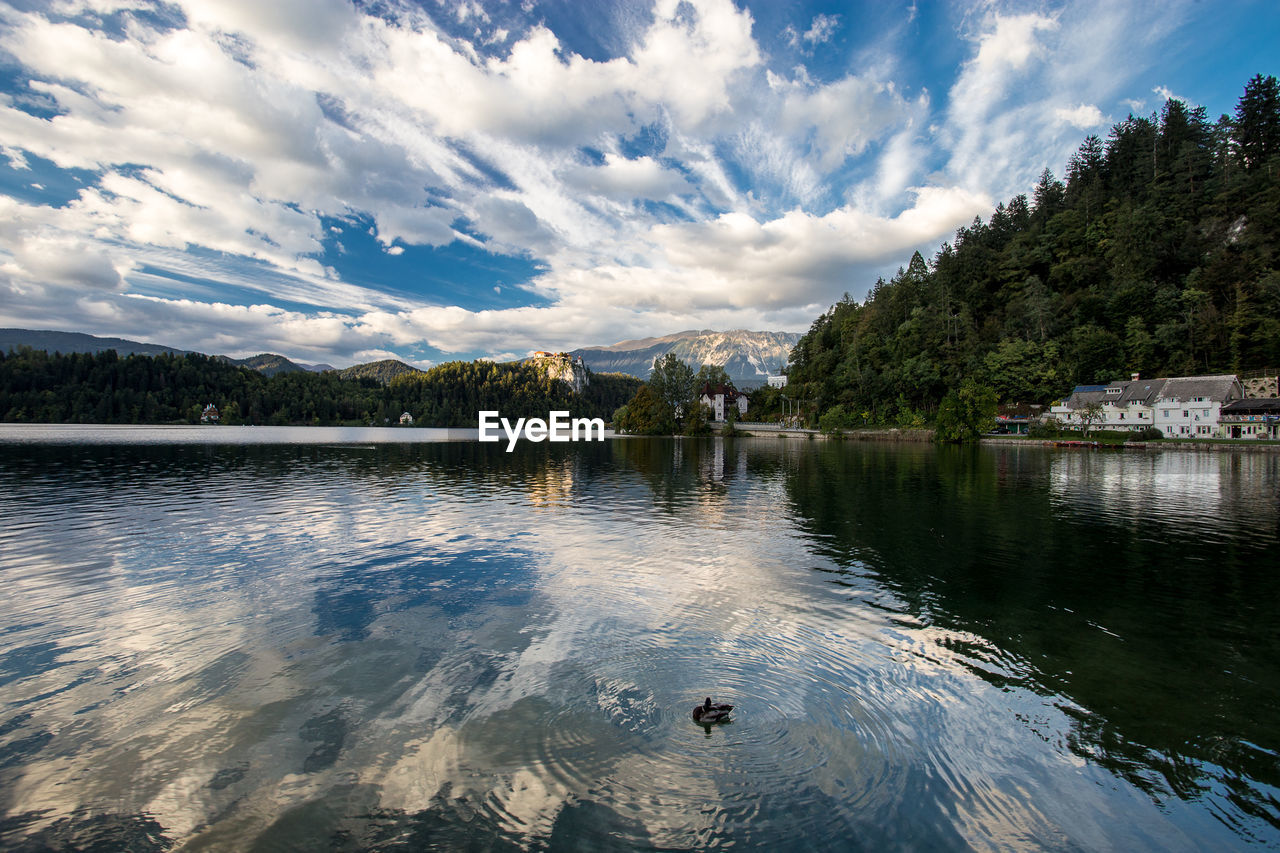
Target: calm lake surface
[(290, 642)]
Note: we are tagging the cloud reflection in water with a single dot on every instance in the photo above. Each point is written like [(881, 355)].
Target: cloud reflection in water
[(446, 643)]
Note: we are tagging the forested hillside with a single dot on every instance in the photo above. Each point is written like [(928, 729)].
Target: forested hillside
[(452, 394), (382, 371), (1156, 255), (39, 387), (266, 362)]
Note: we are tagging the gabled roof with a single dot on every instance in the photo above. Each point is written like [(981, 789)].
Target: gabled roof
[(1086, 394), (1217, 388), (729, 392), (1146, 392), (1140, 391)]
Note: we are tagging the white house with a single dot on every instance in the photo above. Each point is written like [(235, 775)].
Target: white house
[(779, 381), (406, 419), (1190, 406), (1067, 410), (719, 398), (1129, 406)]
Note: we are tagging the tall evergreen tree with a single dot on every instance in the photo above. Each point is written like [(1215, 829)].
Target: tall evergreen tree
[(1257, 124)]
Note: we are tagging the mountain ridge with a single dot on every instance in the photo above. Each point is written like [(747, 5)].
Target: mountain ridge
[(749, 357), (383, 371), (264, 362), (53, 340)]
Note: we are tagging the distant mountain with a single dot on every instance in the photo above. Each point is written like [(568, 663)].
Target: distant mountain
[(748, 357), (383, 371), (69, 342), (266, 362)]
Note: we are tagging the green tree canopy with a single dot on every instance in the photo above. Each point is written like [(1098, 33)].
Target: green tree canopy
[(673, 383), (967, 412), (713, 375), (646, 414), (1257, 123), (104, 388)]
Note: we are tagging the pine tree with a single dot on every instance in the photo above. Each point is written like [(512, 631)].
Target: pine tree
[(1257, 124)]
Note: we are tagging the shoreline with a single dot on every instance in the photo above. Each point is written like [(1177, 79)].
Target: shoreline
[(912, 436), (1190, 445), (915, 436)]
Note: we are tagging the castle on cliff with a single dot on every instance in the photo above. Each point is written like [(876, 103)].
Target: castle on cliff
[(562, 366)]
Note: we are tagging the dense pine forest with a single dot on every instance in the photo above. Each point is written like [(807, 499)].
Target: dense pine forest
[(1156, 255), (103, 388)]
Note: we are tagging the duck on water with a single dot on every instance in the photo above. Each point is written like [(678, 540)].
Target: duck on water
[(709, 712)]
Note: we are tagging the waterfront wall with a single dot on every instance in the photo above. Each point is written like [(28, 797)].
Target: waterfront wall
[(761, 429), (1190, 445)]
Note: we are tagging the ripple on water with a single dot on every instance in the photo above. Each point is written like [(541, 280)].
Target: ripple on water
[(618, 727)]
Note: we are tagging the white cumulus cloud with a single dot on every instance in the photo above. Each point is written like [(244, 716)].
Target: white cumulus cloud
[(1084, 116)]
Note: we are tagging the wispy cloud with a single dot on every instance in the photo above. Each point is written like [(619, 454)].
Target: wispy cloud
[(1167, 94), (820, 31)]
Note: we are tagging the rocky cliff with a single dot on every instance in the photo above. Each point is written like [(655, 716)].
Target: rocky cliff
[(563, 366)]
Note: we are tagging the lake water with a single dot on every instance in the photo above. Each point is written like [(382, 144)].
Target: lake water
[(253, 641)]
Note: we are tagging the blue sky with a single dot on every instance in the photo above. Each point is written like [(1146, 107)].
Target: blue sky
[(342, 182)]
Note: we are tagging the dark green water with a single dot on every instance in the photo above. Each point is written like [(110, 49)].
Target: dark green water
[(445, 646)]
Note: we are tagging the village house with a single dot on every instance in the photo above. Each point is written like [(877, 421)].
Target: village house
[(406, 419), (1016, 418), (1181, 407), (1250, 418), (210, 414), (720, 397), (1189, 406)]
